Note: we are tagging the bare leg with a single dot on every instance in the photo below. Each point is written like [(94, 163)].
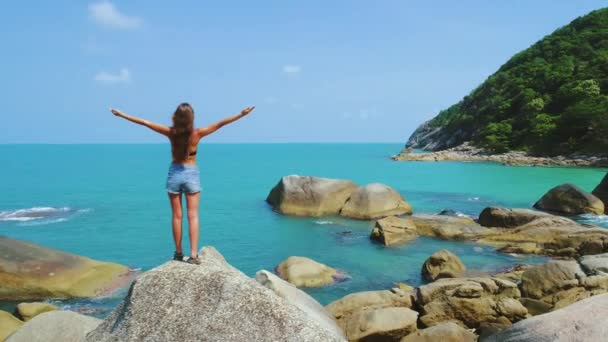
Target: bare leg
[(176, 207), (192, 204)]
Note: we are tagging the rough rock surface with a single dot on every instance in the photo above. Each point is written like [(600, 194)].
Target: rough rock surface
[(211, 302), (595, 264), (383, 324), (393, 230), (30, 271), (442, 264), (539, 281), (375, 201), (442, 332), (448, 227), (584, 321), (470, 301), (300, 299), (310, 196), (568, 199), (27, 311), (508, 218), (601, 192), (64, 326), (366, 300), (305, 272), (8, 324)]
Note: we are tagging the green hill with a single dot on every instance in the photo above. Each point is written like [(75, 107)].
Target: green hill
[(551, 98)]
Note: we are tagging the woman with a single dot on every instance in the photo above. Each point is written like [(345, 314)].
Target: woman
[(183, 174)]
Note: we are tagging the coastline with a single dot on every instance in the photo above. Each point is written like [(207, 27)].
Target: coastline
[(468, 153)]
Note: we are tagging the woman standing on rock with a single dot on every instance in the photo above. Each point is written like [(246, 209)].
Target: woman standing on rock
[(184, 176)]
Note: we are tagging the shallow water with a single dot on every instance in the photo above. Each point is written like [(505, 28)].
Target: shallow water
[(111, 205)]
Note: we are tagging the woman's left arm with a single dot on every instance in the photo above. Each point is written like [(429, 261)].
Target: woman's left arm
[(162, 129)]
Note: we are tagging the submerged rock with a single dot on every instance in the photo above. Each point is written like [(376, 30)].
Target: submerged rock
[(442, 332), (375, 201), (568, 199), (214, 301), (601, 192), (508, 218), (393, 230), (586, 320), (64, 326), (27, 311), (8, 324), (442, 264), (30, 272), (305, 272), (310, 196)]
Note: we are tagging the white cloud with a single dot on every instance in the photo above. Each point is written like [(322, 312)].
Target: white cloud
[(292, 69), (107, 15), (123, 76)]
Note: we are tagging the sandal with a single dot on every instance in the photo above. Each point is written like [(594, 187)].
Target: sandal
[(178, 256), (194, 260)]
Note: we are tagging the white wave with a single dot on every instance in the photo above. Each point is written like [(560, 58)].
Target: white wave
[(40, 215), (473, 199), (324, 222), (598, 220)]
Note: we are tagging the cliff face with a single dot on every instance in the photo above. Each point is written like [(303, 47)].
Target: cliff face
[(551, 98)]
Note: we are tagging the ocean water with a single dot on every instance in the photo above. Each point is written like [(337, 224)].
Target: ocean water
[(108, 202)]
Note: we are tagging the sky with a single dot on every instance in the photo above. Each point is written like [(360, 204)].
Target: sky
[(317, 71)]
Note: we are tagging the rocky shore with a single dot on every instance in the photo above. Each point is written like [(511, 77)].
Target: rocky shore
[(469, 153)]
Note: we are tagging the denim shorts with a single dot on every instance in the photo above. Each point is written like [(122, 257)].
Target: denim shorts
[(183, 178)]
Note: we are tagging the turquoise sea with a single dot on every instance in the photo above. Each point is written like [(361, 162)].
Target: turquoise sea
[(108, 202)]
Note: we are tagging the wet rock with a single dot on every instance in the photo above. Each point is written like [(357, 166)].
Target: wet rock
[(568, 199), (305, 272), (393, 230), (442, 264), (375, 201)]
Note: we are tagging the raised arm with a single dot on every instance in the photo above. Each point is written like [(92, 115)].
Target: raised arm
[(203, 131), (162, 129)]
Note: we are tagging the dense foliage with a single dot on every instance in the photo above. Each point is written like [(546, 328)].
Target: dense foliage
[(550, 98)]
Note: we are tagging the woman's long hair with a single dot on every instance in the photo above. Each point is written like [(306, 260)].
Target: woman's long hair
[(183, 124)]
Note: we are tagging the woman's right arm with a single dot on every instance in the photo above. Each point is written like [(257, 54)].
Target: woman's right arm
[(203, 131), (162, 129)]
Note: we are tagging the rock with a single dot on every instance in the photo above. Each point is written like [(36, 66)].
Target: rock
[(367, 300), (601, 192), (8, 324), (586, 320), (569, 199), (595, 264), (513, 274), (451, 212), (214, 301), (300, 299), (393, 230), (384, 324), (442, 264), (310, 196), (535, 306), (552, 277), (305, 272), (508, 218), (375, 201), (31, 272), (444, 332), (448, 227), (27, 311), (469, 301), (64, 326)]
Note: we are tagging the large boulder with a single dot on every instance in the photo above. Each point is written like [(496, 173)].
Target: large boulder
[(375, 201), (449, 227), (30, 272), (310, 196), (508, 218), (305, 272), (595, 264), (8, 324), (368, 300), (442, 332), (470, 302), (383, 324), (300, 299), (568, 199), (214, 301), (64, 326), (554, 276), (601, 192), (393, 230), (584, 321), (27, 311), (442, 264)]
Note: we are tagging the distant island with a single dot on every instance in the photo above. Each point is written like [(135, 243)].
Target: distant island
[(548, 100)]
